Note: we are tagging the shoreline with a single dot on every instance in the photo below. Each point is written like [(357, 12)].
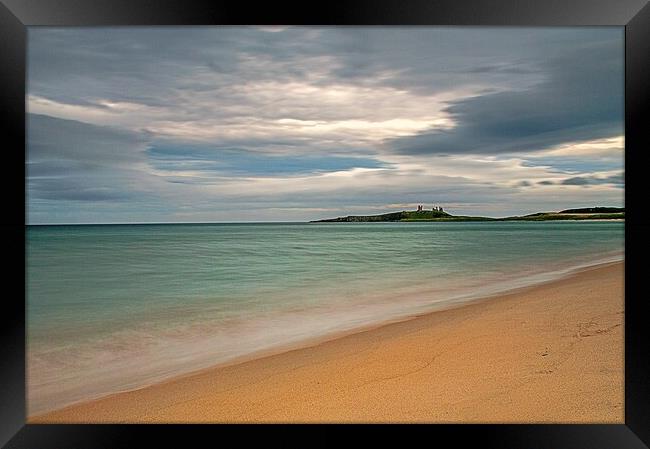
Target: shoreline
[(493, 291), (95, 410)]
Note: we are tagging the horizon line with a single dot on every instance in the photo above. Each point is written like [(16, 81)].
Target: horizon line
[(241, 222)]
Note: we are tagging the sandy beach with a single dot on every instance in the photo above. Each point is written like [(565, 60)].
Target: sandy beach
[(551, 353)]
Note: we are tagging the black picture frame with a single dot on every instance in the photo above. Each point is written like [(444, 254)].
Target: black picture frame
[(16, 15)]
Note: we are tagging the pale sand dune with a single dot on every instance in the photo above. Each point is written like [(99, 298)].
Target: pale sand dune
[(551, 353)]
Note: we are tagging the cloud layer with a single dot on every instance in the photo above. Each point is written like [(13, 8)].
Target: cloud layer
[(296, 123)]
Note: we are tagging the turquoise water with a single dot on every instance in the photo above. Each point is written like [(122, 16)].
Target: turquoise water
[(116, 307)]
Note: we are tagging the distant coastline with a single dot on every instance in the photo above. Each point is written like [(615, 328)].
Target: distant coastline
[(437, 214)]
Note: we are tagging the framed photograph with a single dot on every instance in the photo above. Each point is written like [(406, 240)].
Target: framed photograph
[(421, 212)]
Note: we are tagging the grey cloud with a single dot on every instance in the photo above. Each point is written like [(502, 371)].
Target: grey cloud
[(502, 68), (75, 190), (69, 160), (617, 179), (576, 181), (58, 140), (581, 99), (593, 180), (157, 66)]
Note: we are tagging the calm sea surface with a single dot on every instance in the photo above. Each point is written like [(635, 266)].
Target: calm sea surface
[(116, 307)]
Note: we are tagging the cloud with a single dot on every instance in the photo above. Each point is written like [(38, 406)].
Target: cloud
[(353, 86), (68, 160), (237, 161), (156, 66), (576, 181), (202, 123), (60, 140), (75, 190), (616, 179), (581, 99), (587, 180)]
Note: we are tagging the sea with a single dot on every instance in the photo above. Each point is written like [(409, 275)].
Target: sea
[(113, 308)]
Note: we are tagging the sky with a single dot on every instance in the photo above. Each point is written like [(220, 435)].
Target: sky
[(223, 124)]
